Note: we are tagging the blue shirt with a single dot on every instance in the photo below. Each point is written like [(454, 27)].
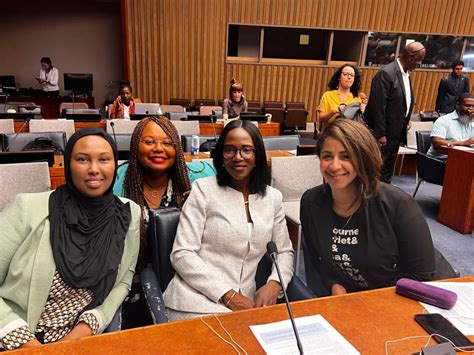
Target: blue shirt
[(449, 127), (196, 170)]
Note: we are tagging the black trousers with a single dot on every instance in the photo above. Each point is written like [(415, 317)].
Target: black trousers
[(389, 156)]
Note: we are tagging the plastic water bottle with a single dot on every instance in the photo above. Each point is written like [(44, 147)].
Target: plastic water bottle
[(195, 145)]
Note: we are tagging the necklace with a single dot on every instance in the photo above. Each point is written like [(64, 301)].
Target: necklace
[(348, 220), (166, 199)]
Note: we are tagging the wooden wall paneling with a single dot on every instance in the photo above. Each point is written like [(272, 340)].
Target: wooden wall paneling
[(177, 48)]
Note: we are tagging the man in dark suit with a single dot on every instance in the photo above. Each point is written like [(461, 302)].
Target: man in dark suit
[(391, 103), (451, 87)]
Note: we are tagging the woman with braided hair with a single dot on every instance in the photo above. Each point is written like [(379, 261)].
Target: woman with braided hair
[(156, 176)]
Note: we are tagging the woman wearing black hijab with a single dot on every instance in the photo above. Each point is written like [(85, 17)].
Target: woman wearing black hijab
[(68, 256)]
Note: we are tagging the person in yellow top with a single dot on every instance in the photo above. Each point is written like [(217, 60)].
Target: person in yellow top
[(344, 89)]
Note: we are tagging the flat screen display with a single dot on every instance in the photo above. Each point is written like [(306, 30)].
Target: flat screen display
[(78, 82)]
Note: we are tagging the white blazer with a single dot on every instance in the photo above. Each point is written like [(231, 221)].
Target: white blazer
[(214, 250)]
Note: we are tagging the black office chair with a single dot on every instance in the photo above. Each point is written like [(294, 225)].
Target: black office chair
[(15, 142), (161, 232), (429, 169)]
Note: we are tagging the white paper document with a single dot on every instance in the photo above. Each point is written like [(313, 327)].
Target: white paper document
[(316, 334), (462, 314)]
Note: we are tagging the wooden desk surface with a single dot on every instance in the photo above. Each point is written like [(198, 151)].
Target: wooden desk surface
[(270, 154), (456, 208), (266, 129), (366, 319)]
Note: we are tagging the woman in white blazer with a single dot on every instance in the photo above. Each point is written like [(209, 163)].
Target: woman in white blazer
[(224, 228)]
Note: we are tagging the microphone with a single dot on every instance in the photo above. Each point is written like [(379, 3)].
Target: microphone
[(112, 124), (273, 251), (27, 119)]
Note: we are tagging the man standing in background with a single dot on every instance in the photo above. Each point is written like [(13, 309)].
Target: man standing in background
[(450, 89), (391, 103)]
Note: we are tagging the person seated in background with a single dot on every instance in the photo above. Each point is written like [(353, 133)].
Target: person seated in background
[(235, 103), (223, 231), (360, 233), (156, 176), (455, 128), (48, 77), (124, 104), (68, 256), (344, 89)]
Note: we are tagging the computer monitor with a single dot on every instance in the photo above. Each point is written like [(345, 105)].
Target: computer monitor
[(138, 116), (27, 157), (78, 82), (199, 118), (84, 117), (257, 118), (7, 81), (148, 109)]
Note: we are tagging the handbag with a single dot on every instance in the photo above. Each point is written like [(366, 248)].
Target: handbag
[(352, 112)]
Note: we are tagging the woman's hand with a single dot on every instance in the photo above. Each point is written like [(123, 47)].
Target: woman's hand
[(31, 344), (338, 289), (267, 294), (81, 330), (236, 301)]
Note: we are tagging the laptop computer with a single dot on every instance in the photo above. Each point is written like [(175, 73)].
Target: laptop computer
[(148, 109)]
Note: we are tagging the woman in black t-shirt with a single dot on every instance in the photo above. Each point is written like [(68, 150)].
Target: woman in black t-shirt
[(360, 233)]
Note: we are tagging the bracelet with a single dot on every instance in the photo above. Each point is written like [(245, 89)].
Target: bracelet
[(230, 299)]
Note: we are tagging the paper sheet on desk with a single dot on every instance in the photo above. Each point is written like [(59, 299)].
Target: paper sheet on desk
[(292, 151), (316, 334), (462, 314)]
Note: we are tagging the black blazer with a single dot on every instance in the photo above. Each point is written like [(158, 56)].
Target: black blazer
[(398, 240), (386, 110), (448, 93)]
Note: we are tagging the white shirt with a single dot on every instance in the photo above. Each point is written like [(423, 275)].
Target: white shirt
[(52, 77), (406, 84), (126, 112)]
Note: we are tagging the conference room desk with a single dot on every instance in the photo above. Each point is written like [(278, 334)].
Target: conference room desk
[(366, 319), (77, 125), (266, 129), (456, 209), (56, 173), (49, 105), (270, 154)]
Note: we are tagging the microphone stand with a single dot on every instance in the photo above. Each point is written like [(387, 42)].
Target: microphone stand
[(112, 124), (298, 341)]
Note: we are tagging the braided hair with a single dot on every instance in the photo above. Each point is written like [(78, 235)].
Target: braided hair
[(133, 183)]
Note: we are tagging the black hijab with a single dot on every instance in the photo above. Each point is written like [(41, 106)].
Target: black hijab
[(88, 234)]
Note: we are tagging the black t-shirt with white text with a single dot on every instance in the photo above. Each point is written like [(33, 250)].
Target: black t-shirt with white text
[(348, 247)]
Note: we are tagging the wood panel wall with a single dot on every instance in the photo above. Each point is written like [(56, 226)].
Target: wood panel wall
[(177, 48)]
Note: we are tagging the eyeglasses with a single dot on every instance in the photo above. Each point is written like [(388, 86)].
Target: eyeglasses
[(245, 152), (350, 75), (167, 143)]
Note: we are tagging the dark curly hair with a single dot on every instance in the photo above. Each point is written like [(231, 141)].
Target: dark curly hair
[(334, 82)]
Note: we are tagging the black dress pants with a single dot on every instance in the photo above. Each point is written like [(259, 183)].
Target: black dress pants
[(389, 156)]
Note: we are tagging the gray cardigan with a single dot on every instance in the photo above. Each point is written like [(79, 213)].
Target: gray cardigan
[(213, 251), (27, 265)]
